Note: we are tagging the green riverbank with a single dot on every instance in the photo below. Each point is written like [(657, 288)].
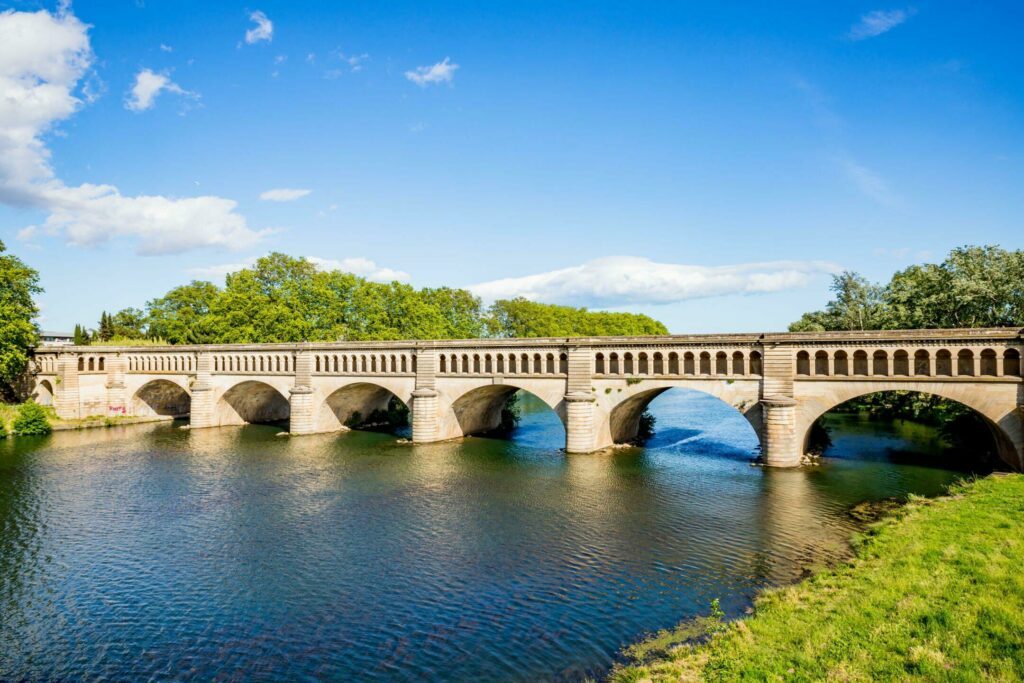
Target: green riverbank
[(935, 592), (9, 411)]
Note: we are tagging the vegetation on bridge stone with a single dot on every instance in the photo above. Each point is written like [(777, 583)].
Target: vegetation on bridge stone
[(935, 593), (18, 331), (286, 299)]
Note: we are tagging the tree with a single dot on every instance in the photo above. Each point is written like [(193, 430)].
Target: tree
[(857, 305), (31, 420), (18, 331), (184, 315), (524, 318), (81, 337), (129, 323), (106, 328)]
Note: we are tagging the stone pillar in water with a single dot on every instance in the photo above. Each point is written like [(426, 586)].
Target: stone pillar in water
[(426, 425), (203, 410), (302, 419), (781, 446), (117, 398), (580, 430), (66, 397)]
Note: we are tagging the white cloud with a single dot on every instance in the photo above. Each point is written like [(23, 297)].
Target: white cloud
[(625, 280), (148, 85), (877, 22), (264, 29), (357, 266), (44, 58), (166, 48), (442, 72), (283, 194), (868, 182)]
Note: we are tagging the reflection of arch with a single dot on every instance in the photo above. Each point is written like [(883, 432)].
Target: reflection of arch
[(341, 407), (479, 410), (161, 397), (43, 394), (624, 418), (1006, 428), (252, 402)]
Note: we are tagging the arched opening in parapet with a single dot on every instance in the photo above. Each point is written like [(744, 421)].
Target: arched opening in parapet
[(363, 406), (687, 420), (913, 428), (252, 402), (507, 411), (161, 397), (43, 395)]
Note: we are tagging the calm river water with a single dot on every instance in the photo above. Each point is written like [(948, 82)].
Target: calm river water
[(145, 552)]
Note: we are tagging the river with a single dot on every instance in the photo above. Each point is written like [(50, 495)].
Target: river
[(156, 552)]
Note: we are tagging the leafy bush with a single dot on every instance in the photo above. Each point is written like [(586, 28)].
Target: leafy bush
[(31, 420), (3, 430)]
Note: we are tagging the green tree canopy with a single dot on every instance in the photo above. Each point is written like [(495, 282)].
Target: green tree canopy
[(18, 331), (523, 318), (972, 287)]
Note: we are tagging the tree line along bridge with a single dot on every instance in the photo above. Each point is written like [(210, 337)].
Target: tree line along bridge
[(599, 387)]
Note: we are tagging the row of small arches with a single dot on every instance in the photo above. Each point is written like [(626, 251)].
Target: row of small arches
[(510, 364), (988, 363), (689, 363), (368, 363), (252, 363), (91, 364), (160, 363)]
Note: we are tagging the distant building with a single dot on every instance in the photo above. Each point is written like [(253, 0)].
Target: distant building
[(48, 338)]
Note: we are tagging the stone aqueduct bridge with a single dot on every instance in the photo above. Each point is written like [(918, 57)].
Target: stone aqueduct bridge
[(598, 386)]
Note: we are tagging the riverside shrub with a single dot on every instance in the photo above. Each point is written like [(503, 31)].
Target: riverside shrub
[(31, 420)]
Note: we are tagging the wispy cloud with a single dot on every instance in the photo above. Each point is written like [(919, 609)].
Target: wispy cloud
[(263, 30), (630, 280), (44, 60), (868, 182), (283, 194), (877, 22), (442, 72), (148, 85)]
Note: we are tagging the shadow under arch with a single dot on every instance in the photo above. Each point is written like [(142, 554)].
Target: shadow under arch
[(625, 418), (43, 394), (161, 397), (1001, 443), (252, 402), (480, 410), (362, 405)]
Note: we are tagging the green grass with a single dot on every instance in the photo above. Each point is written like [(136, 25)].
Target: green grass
[(935, 593), (9, 411)]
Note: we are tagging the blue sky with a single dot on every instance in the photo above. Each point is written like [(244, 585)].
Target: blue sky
[(706, 163)]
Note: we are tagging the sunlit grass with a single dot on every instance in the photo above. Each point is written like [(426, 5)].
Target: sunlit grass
[(936, 592)]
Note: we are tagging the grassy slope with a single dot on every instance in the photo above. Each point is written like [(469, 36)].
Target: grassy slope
[(935, 593)]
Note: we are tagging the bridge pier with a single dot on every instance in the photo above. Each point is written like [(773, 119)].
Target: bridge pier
[(117, 395), (202, 412), (780, 444), (580, 426), (66, 399)]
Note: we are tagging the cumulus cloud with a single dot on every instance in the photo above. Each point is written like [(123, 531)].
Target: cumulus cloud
[(149, 84), (625, 280), (44, 58), (442, 72), (877, 22), (263, 30), (357, 266), (283, 194)]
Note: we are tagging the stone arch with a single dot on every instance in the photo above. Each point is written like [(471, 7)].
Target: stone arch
[(624, 415), (478, 410), (803, 363), (252, 401), (356, 405), (737, 363), (161, 397), (599, 364), (988, 363), (901, 363), (1011, 363), (998, 411), (43, 395), (821, 363)]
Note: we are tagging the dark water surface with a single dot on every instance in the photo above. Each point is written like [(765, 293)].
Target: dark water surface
[(144, 552)]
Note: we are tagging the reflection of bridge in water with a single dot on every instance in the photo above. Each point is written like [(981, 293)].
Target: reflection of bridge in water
[(599, 387)]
